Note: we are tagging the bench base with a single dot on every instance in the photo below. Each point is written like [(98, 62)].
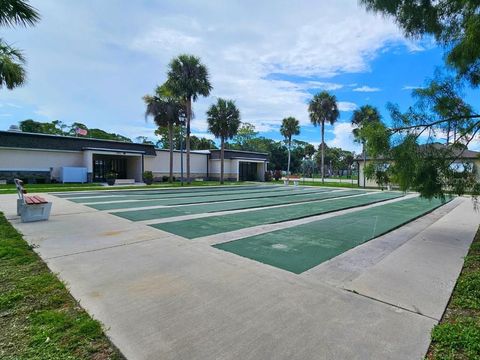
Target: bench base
[(36, 212), (295, 182)]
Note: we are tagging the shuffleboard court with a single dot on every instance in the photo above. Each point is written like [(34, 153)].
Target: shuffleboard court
[(160, 213), (196, 228), (171, 195), (302, 247), (166, 190), (198, 200)]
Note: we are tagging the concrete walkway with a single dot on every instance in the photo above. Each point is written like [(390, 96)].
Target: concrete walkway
[(164, 297)]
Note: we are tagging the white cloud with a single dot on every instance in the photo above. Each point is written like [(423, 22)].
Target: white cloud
[(101, 66), (366, 88), (343, 137), (346, 106), (328, 86)]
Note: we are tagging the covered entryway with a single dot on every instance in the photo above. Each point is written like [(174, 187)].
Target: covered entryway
[(104, 164), (247, 171)]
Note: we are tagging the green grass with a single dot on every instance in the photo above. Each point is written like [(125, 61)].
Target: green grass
[(39, 319), (39, 188), (457, 336), (330, 184)]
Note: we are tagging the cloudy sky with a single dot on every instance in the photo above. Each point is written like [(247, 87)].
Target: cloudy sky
[(92, 61)]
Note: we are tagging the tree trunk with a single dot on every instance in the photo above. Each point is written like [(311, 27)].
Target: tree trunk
[(222, 153), (187, 140), (323, 152), (364, 162), (288, 163), (170, 140), (448, 133)]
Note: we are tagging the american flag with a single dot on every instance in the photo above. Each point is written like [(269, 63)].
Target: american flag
[(81, 132)]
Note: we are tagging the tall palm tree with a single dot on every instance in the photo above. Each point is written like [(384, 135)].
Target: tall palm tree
[(290, 126), (223, 122), (167, 111), (188, 79), (323, 108), (12, 61), (365, 115)]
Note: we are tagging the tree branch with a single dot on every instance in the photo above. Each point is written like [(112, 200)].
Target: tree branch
[(403, 128)]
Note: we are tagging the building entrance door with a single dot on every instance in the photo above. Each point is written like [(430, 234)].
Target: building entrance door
[(247, 171), (103, 164)]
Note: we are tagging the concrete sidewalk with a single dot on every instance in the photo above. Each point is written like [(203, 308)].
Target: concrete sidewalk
[(164, 297)]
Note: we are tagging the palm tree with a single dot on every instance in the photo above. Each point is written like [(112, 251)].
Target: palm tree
[(365, 115), (323, 108), (12, 13), (12, 73), (223, 121), (290, 126), (188, 78), (167, 111)]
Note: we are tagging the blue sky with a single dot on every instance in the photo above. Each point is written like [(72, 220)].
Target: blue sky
[(92, 61)]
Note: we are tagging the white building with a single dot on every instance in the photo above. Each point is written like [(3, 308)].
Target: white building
[(40, 157)]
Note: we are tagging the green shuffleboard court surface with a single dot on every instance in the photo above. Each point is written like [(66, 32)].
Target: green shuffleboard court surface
[(160, 213), (174, 195), (146, 190), (302, 247), (195, 228), (201, 199)]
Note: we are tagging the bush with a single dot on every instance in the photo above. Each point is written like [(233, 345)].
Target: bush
[(165, 178), (111, 175), (148, 177)]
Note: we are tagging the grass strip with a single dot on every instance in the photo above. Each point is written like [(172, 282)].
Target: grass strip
[(457, 336), (302, 247), (195, 228), (39, 319)]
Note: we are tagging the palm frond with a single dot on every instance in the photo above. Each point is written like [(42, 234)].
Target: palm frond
[(17, 13)]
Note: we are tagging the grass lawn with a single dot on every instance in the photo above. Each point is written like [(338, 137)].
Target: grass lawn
[(329, 184), (38, 188), (458, 334), (39, 319)]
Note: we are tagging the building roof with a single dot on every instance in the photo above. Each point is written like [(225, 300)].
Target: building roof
[(24, 140), (455, 152), (233, 154)]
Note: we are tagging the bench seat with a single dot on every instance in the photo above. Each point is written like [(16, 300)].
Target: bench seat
[(35, 199)]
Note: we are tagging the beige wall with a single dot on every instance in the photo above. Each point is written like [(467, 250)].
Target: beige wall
[(24, 159), (230, 170), (368, 182), (134, 168), (160, 164)]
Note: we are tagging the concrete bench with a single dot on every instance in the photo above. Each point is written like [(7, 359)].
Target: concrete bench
[(294, 179), (124, 181), (33, 207)]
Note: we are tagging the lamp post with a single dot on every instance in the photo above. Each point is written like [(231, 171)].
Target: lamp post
[(181, 153)]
